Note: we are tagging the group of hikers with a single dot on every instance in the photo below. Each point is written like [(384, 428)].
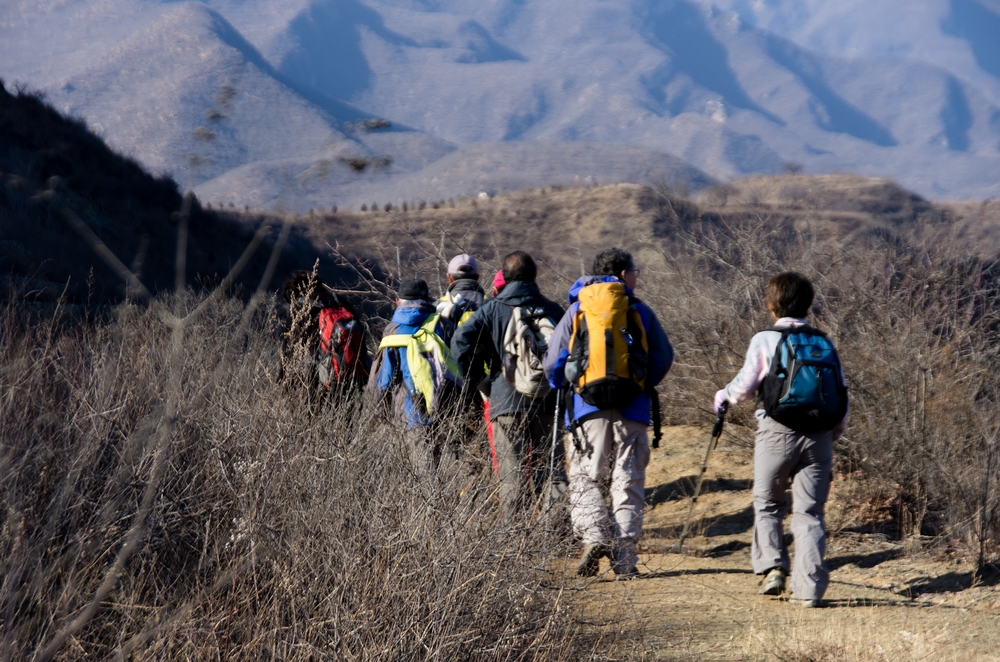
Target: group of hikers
[(536, 370)]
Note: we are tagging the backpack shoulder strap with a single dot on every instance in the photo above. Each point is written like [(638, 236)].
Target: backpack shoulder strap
[(785, 331), (805, 328)]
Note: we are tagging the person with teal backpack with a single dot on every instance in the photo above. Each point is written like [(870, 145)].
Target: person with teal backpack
[(413, 369), (796, 374)]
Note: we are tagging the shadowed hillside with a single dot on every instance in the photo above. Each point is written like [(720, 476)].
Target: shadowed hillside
[(49, 164)]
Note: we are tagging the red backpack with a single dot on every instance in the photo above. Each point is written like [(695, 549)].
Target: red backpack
[(339, 358)]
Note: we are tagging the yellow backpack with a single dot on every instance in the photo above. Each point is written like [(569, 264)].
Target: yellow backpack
[(433, 373), (608, 349)]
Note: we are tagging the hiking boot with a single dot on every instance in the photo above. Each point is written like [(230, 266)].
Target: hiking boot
[(806, 603), (627, 574), (590, 559), (773, 582)]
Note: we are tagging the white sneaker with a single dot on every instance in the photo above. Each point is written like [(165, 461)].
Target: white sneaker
[(773, 582), (806, 604)]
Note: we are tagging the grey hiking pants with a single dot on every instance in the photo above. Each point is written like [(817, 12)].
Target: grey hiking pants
[(523, 444), (782, 455), (615, 448)]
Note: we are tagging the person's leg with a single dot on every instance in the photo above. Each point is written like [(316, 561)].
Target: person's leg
[(509, 440), (420, 442), (775, 454), (541, 456), (489, 437), (810, 489), (588, 471), (628, 483)]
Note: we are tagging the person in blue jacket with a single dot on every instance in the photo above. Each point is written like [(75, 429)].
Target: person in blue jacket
[(613, 451), (390, 376)]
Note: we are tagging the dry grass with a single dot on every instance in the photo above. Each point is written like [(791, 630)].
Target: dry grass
[(272, 534), (163, 498), (865, 634)]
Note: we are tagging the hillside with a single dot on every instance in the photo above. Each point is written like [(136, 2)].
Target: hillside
[(134, 213), (464, 171), (731, 88), (563, 227)]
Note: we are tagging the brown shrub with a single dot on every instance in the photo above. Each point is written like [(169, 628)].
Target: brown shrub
[(272, 533)]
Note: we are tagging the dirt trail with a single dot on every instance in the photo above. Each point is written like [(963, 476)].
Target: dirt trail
[(886, 601)]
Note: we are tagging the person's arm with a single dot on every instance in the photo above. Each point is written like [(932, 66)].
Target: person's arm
[(661, 352), (472, 341), (558, 351), (744, 386)]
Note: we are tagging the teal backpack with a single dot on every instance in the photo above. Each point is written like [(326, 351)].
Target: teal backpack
[(803, 389)]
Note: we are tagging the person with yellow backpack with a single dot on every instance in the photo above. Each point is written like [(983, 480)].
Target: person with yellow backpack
[(414, 371), (611, 352)]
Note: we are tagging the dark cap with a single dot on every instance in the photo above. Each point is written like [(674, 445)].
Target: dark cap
[(414, 289)]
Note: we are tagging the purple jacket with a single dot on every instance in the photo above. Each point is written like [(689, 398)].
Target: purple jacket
[(661, 353)]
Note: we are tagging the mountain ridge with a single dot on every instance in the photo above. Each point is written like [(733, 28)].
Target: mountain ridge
[(707, 83)]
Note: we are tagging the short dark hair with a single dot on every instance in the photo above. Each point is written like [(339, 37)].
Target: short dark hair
[(519, 266), (789, 294), (612, 261)]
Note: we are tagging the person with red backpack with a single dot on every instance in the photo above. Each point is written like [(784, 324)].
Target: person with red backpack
[(323, 342), (611, 351)]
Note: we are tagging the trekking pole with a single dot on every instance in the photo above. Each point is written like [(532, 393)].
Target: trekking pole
[(716, 433), (552, 452)]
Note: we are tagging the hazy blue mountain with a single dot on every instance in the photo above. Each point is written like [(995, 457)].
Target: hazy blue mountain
[(960, 36), (897, 88)]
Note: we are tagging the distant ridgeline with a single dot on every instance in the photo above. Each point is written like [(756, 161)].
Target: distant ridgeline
[(132, 212)]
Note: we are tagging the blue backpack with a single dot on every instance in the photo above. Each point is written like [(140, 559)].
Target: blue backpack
[(803, 389)]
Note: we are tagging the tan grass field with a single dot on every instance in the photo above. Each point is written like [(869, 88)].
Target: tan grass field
[(887, 600)]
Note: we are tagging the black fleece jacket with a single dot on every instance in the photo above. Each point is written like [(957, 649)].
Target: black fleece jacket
[(481, 339)]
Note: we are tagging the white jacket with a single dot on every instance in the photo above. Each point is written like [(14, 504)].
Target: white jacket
[(757, 364)]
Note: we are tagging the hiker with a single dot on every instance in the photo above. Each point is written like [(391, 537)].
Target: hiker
[(414, 369), (609, 408), (498, 284), (465, 295), (323, 341), (798, 421), (484, 385), (500, 334)]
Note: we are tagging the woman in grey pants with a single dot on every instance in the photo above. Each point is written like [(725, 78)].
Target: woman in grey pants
[(781, 455)]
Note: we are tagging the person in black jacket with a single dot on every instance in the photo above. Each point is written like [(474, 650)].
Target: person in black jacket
[(522, 425)]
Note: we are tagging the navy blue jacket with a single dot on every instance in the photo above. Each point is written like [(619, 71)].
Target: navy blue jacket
[(481, 339)]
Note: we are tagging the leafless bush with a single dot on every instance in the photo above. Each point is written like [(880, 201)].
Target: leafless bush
[(274, 533), (916, 321)]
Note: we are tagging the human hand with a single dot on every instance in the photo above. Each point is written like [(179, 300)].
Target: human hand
[(720, 400)]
